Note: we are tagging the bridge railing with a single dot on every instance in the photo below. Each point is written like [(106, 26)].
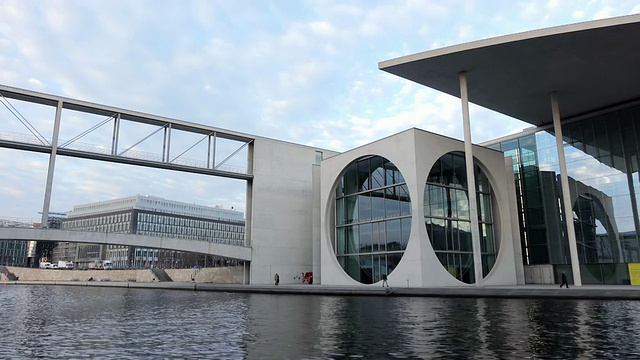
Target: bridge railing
[(106, 150)]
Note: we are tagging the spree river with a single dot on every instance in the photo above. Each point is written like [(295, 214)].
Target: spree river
[(70, 322)]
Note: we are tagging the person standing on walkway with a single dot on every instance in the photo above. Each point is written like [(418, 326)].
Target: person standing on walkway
[(384, 280), (564, 280), (276, 279)]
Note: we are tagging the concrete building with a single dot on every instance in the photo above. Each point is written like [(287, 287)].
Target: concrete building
[(400, 207), (13, 252), (576, 170), (149, 215)]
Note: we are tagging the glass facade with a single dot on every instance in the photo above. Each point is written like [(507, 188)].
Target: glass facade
[(13, 252), (602, 155), (155, 223), (447, 218), (373, 219)]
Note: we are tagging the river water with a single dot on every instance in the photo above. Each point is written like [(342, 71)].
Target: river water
[(69, 322)]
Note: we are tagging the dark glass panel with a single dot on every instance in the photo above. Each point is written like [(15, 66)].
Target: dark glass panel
[(510, 145), (341, 241), (366, 269), (405, 224), (466, 268), (487, 263), (351, 179), (391, 202), (364, 207), (459, 199), (405, 202), (435, 175), (464, 236), (538, 254), (341, 219), (364, 178), (353, 243), (377, 205), (377, 172), (351, 207), (438, 238), (459, 176), (366, 239), (393, 260), (394, 235)]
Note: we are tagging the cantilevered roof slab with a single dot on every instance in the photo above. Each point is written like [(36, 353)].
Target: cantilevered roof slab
[(592, 66)]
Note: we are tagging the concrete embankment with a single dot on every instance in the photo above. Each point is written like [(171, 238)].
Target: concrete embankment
[(221, 275), (596, 292)]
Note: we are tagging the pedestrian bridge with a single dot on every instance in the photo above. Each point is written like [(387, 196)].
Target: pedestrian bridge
[(158, 242)]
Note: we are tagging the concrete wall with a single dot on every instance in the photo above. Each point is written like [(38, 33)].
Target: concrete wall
[(414, 152), (31, 274), (217, 275), (539, 274), (282, 208)]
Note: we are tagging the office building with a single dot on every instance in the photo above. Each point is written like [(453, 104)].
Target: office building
[(155, 216)]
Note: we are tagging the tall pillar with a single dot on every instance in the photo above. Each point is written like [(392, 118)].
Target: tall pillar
[(471, 181), (52, 166), (566, 196)]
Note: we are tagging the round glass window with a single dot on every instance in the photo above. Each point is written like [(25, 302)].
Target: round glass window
[(373, 219), (446, 216)]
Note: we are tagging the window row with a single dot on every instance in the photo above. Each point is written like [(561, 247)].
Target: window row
[(381, 236), (368, 174), (375, 205), (368, 269), (102, 220), (193, 223)]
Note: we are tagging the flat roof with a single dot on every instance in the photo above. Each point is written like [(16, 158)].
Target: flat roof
[(591, 65)]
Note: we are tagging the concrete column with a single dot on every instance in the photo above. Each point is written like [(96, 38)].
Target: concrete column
[(116, 134), (471, 181), (52, 166), (566, 196)]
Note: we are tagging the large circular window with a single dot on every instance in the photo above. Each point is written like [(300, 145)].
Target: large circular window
[(373, 219), (446, 216)]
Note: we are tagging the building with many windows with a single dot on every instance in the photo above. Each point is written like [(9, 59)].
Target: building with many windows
[(13, 252), (401, 207), (576, 171), (155, 216)]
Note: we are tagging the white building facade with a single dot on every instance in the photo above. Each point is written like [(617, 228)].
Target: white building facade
[(399, 207)]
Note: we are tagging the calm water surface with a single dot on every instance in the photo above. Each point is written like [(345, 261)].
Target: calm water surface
[(58, 322)]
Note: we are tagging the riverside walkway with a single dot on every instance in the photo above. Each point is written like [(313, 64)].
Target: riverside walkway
[(600, 292)]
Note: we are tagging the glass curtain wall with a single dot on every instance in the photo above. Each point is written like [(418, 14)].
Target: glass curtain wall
[(602, 166), (373, 219), (448, 221)]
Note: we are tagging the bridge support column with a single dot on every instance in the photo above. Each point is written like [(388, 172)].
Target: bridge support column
[(52, 165)]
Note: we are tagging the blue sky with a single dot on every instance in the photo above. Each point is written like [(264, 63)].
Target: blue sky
[(300, 71)]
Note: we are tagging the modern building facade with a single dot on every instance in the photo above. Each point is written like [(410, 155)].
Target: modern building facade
[(13, 252), (155, 216), (576, 171), (401, 207), (601, 152)]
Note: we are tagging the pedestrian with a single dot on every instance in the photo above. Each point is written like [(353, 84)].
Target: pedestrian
[(384, 280), (276, 278), (564, 280)]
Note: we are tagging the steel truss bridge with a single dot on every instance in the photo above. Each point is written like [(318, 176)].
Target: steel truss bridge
[(163, 158)]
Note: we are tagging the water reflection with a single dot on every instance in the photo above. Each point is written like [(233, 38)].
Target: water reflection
[(73, 322)]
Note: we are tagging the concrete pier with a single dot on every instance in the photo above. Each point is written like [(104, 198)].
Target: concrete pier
[(599, 292)]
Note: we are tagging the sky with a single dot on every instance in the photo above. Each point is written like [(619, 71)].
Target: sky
[(299, 71)]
